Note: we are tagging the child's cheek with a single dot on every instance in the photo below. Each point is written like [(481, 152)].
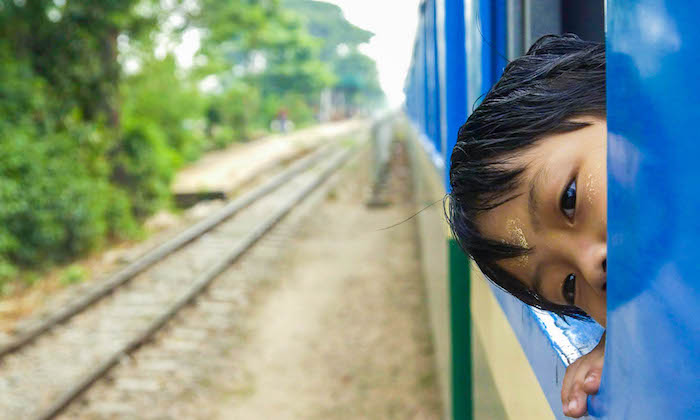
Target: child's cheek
[(595, 191)]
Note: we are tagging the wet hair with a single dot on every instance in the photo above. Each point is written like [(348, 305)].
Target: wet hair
[(560, 78)]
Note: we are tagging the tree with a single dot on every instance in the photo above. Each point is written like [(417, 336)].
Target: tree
[(356, 74), (357, 79), (326, 22), (257, 45), (74, 48)]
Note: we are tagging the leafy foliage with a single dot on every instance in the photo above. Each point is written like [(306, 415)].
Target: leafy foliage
[(325, 21), (356, 76), (88, 149), (55, 190), (159, 95), (268, 50), (55, 205), (357, 79)]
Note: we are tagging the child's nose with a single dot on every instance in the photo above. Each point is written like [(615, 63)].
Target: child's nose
[(593, 266), (587, 254)]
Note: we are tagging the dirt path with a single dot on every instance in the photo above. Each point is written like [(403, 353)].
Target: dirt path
[(229, 169), (343, 334)]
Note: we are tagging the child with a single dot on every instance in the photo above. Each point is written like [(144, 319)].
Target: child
[(528, 200)]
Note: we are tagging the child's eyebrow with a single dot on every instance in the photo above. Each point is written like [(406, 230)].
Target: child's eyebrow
[(533, 197)]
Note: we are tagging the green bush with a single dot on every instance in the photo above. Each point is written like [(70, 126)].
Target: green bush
[(299, 112), (57, 201), (73, 274), (119, 215), (7, 272), (233, 115), (222, 136), (54, 205), (159, 96), (144, 165)]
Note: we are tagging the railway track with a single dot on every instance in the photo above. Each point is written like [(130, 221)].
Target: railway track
[(47, 367)]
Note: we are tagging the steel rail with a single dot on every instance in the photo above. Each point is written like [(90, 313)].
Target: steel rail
[(200, 285), (136, 267)]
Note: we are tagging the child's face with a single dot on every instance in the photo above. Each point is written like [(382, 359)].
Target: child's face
[(561, 213)]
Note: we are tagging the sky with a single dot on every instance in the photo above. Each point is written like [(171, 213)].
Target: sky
[(394, 24)]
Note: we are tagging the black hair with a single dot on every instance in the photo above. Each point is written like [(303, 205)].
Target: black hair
[(560, 78)]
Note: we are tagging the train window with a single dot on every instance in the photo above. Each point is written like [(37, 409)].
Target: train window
[(530, 19), (541, 17), (514, 19), (584, 18)]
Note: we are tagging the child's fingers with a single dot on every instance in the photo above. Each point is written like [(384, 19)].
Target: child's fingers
[(576, 405), (567, 389), (579, 381), (591, 382), (568, 382), (575, 374)]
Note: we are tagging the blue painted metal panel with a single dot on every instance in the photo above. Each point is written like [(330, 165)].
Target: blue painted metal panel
[(424, 79), (455, 75), (652, 368), (550, 343), (482, 21), (436, 134), (490, 22), (473, 41), (423, 101), (499, 38), (426, 83), (430, 59)]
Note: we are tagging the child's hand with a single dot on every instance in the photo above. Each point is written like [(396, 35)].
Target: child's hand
[(582, 378)]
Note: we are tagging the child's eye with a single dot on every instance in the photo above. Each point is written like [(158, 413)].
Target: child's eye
[(568, 289), (568, 200)]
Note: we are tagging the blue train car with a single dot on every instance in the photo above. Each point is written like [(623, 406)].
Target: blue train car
[(498, 358)]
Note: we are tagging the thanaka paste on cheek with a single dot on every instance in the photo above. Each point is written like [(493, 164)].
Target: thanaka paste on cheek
[(590, 189), (591, 192), (517, 236)]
